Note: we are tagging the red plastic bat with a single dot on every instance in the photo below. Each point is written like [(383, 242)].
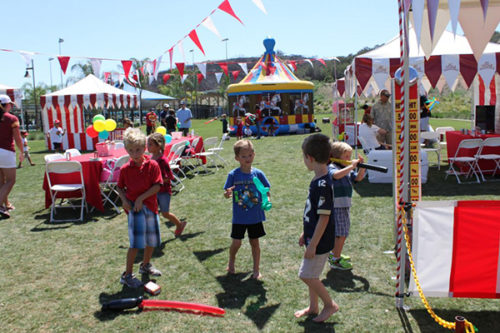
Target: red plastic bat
[(209, 121)]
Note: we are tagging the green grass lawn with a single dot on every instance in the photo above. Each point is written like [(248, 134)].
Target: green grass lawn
[(56, 276)]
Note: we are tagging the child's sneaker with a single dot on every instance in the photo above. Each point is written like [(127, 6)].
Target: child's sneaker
[(130, 281), (341, 264), (149, 269), (343, 256)]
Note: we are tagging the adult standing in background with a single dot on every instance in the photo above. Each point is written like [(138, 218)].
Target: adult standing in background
[(9, 133), (164, 114), (55, 135), (382, 115), (184, 117)]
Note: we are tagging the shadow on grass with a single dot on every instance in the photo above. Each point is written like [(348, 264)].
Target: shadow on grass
[(485, 321), (405, 323), (204, 255), (185, 237), (313, 327), (237, 288), (126, 292), (347, 282)]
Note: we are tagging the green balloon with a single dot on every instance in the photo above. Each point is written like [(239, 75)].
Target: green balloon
[(98, 117)]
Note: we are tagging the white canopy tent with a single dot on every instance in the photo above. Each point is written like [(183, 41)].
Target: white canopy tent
[(15, 94)]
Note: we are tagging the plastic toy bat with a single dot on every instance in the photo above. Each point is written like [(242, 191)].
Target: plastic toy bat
[(266, 205), (362, 165)]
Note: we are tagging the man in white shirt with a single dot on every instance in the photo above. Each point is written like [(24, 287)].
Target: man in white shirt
[(55, 135), (368, 132), (184, 117)]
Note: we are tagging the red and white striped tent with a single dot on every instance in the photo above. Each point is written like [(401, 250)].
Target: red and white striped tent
[(68, 105), (15, 94)]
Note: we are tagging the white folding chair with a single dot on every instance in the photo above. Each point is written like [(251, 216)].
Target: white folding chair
[(209, 155), (466, 161), (189, 156), (432, 136), (442, 134), (489, 142), (175, 158), (217, 149), (65, 167), (110, 184), (73, 152), (52, 157), (119, 145)]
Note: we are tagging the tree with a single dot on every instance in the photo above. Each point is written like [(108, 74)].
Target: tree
[(82, 70)]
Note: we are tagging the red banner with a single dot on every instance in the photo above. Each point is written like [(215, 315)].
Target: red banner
[(63, 61), (180, 67), (226, 7), (194, 37)]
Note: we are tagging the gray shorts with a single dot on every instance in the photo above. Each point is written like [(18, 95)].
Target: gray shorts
[(312, 268), (342, 221)]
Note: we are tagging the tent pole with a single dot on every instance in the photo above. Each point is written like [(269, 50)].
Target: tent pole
[(355, 116)]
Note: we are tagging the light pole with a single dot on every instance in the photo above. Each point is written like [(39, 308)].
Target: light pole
[(227, 76), (27, 75), (50, 66), (60, 42)]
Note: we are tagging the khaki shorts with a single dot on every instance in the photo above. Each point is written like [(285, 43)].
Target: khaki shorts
[(312, 268)]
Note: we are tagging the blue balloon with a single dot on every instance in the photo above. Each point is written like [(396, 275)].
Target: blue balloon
[(103, 135), (168, 138)]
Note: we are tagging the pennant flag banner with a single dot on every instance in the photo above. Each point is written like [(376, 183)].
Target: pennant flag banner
[(293, 64), (223, 66), (218, 75), (184, 77), (194, 37), (202, 67), (156, 67), (106, 76), (456, 248), (171, 54), (225, 6), (127, 65), (209, 24), (180, 46), (200, 77), (244, 67), (27, 56), (235, 74), (96, 66), (321, 61), (166, 77), (63, 61), (260, 5), (309, 62), (180, 67)]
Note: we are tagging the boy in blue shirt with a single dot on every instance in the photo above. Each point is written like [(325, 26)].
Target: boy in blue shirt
[(247, 212), (319, 227)]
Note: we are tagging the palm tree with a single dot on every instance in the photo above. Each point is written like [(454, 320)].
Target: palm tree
[(82, 70)]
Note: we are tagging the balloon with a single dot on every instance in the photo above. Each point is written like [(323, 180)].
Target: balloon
[(162, 130), (109, 125), (99, 125), (168, 138), (103, 135), (98, 117), (91, 131)]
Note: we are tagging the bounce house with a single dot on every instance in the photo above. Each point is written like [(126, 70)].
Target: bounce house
[(285, 102)]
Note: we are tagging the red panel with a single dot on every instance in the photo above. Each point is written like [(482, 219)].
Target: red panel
[(468, 68), (393, 66), (433, 69), (493, 92), (481, 91), (476, 246), (363, 69)]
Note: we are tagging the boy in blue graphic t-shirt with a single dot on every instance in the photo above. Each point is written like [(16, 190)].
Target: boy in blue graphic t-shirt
[(247, 212)]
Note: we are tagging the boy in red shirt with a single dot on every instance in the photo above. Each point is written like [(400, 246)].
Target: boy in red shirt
[(140, 179)]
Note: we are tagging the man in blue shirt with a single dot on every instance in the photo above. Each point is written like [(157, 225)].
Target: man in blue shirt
[(184, 116)]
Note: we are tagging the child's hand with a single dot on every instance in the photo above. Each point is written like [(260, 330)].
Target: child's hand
[(302, 241), (229, 192), (310, 252), (137, 205), (127, 205)]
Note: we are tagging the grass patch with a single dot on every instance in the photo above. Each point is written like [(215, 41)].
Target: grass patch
[(56, 276)]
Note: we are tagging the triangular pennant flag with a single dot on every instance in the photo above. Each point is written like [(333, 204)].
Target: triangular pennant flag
[(63, 61), (225, 6), (218, 75), (136, 77), (244, 67), (321, 61), (181, 50), (203, 68), (291, 67), (235, 74), (156, 67), (183, 77), (127, 64), (27, 56), (106, 76), (486, 67), (209, 24), (180, 67), (310, 62), (194, 37), (432, 8), (171, 54), (223, 66), (293, 64), (166, 77), (200, 77), (418, 13), (260, 5), (454, 7), (96, 66)]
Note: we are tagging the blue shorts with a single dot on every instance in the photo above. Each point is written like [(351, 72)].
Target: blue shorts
[(163, 201), (342, 221), (143, 229)]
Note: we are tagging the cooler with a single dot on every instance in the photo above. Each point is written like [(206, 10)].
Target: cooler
[(384, 158)]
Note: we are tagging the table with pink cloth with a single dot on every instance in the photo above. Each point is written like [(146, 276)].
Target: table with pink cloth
[(91, 170)]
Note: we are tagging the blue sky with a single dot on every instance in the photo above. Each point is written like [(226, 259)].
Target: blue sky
[(122, 29)]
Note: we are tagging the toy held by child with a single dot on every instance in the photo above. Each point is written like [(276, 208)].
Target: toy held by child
[(247, 200), (156, 146), (139, 181)]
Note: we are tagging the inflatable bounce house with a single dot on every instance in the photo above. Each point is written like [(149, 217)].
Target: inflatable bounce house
[(285, 102)]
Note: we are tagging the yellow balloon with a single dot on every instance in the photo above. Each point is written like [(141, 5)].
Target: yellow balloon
[(162, 130), (99, 125), (109, 125)]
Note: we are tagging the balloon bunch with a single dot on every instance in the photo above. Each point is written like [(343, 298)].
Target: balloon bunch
[(163, 131), (100, 127)]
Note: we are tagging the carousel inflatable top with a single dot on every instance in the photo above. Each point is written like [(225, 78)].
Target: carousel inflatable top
[(269, 74)]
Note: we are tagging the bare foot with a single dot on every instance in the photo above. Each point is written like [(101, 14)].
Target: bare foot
[(230, 270), (256, 276), (326, 312), (180, 229), (305, 312)]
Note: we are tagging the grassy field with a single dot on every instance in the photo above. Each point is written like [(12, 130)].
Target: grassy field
[(56, 276)]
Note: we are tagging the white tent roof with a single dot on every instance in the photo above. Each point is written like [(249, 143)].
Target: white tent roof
[(15, 94), (87, 86), (447, 44)]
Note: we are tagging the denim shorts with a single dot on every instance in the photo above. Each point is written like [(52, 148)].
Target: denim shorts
[(143, 229), (163, 201)]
